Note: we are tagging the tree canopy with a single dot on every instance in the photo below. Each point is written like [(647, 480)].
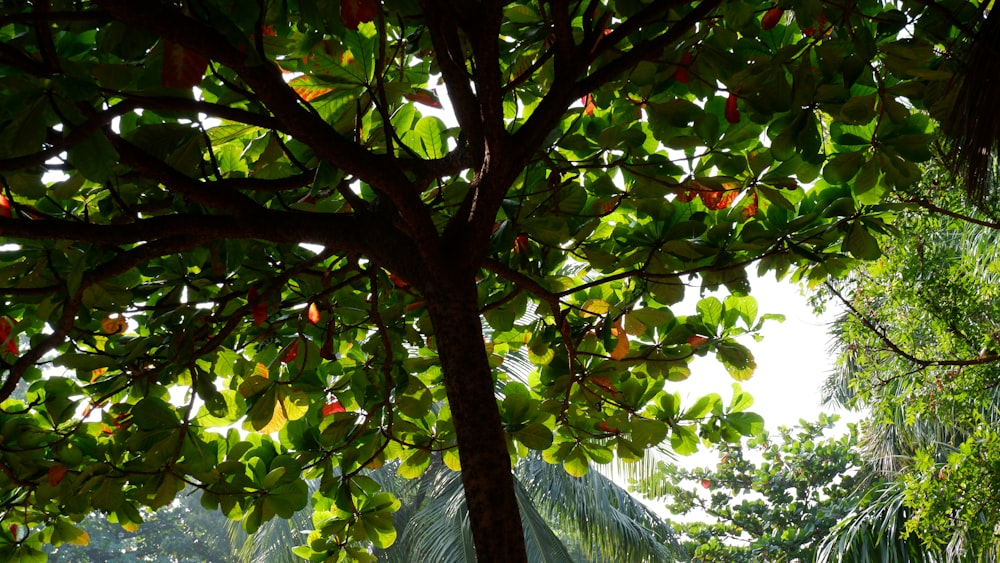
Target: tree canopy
[(918, 347), (242, 248), (773, 499)]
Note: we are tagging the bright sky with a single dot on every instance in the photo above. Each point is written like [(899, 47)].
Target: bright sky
[(792, 359)]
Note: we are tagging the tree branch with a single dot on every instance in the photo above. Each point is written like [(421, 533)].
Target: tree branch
[(213, 194), (881, 334), (116, 266), (269, 86)]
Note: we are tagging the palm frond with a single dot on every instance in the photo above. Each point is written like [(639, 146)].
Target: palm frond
[(872, 533), (975, 134), (602, 517)]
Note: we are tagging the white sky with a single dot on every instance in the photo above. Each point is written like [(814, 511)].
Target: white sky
[(792, 359)]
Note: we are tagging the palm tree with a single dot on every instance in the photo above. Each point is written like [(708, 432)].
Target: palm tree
[(918, 349), (589, 519)]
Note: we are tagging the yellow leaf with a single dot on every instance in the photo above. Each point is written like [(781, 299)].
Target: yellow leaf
[(450, 458), (130, 527), (83, 538), (97, 373), (593, 307), (114, 323), (260, 369), (279, 418), (296, 404), (621, 349)]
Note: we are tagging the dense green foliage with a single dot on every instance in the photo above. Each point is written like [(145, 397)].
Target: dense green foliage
[(919, 349), (772, 499), (243, 251), (583, 520), (182, 532)]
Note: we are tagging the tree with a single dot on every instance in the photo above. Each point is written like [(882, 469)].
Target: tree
[(771, 500), (918, 349), (180, 533), (230, 212)]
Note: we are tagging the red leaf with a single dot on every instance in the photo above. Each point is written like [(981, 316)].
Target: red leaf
[(425, 97), (751, 209), (732, 112), (313, 313), (685, 196), (332, 407), (588, 105), (56, 474), (521, 243), (308, 89), (257, 306), (771, 18), (9, 341), (822, 31), (681, 74), (5, 207), (398, 281), (356, 12), (607, 427), (182, 68), (621, 348), (292, 353), (695, 341), (718, 199)]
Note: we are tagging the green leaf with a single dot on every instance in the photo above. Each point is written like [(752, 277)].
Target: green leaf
[(153, 414), (710, 310), (842, 168), (741, 400), (535, 436), (747, 423), (94, 157), (295, 403), (860, 243), (415, 464), (683, 440), (647, 432), (737, 360), (430, 136), (702, 407), (858, 110)]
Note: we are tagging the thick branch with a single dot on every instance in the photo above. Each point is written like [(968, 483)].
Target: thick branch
[(271, 89), (212, 194), (362, 233), (444, 36)]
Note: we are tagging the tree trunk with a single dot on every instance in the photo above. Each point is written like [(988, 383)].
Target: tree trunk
[(482, 446)]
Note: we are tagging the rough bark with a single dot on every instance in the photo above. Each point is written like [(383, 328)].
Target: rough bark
[(482, 446)]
